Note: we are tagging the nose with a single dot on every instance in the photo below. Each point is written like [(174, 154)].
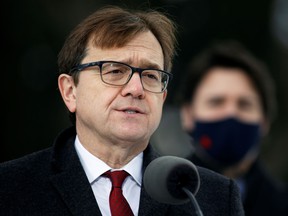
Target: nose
[(231, 110), (134, 87)]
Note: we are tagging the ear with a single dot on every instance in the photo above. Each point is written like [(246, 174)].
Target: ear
[(164, 95), (68, 91), (186, 116)]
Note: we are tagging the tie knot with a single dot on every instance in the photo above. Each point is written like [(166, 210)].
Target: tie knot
[(117, 177)]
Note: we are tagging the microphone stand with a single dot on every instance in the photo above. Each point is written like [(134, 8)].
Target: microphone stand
[(194, 201)]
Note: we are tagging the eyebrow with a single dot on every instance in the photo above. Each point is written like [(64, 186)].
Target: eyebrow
[(143, 62)]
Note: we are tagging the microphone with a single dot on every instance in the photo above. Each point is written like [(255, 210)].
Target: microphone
[(172, 180)]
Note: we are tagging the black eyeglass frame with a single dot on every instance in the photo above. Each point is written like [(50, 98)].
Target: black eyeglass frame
[(82, 67)]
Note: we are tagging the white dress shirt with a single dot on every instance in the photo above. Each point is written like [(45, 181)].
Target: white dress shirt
[(101, 186)]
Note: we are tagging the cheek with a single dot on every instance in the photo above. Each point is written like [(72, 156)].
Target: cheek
[(90, 97), (207, 113), (97, 101), (156, 109), (254, 117)]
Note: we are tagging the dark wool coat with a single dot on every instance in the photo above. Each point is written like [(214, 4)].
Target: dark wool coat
[(53, 182)]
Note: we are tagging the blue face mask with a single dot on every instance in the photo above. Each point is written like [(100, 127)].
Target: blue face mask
[(227, 141)]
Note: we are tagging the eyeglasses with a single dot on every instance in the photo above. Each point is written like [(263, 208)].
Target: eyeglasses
[(118, 74)]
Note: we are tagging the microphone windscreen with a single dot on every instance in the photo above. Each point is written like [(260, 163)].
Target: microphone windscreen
[(165, 177)]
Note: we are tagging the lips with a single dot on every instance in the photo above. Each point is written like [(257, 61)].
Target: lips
[(132, 110)]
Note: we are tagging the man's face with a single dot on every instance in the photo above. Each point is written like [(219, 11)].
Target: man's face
[(224, 92), (113, 114)]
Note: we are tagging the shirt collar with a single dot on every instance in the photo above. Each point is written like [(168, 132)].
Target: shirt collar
[(94, 167)]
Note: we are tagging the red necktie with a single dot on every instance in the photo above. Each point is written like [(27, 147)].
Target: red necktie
[(118, 204)]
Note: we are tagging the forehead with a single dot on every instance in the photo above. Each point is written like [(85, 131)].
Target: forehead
[(226, 81), (144, 48)]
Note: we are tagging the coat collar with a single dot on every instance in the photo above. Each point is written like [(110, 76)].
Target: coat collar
[(70, 180)]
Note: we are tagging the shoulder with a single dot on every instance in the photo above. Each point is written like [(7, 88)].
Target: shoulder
[(22, 179), (210, 176), (28, 165), (269, 183), (38, 163), (219, 193), (27, 158), (211, 179), (220, 184)]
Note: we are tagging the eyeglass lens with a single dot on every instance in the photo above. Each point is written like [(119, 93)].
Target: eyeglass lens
[(120, 74)]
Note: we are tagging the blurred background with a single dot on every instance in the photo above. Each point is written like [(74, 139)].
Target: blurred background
[(32, 33)]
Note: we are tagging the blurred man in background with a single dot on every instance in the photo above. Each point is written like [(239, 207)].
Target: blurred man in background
[(227, 108)]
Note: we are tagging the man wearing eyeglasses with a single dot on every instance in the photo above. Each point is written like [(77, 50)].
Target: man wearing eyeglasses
[(114, 71)]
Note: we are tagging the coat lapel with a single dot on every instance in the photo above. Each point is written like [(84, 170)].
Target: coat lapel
[(69, 178)]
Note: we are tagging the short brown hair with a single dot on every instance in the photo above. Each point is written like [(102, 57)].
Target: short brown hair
[(112, 26)]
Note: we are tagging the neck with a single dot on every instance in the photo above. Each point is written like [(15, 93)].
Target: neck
[(115, 155)]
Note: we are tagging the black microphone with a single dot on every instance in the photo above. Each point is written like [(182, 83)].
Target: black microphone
[(172, 180)]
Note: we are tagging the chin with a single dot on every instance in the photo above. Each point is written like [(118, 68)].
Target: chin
[(132, 135)]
